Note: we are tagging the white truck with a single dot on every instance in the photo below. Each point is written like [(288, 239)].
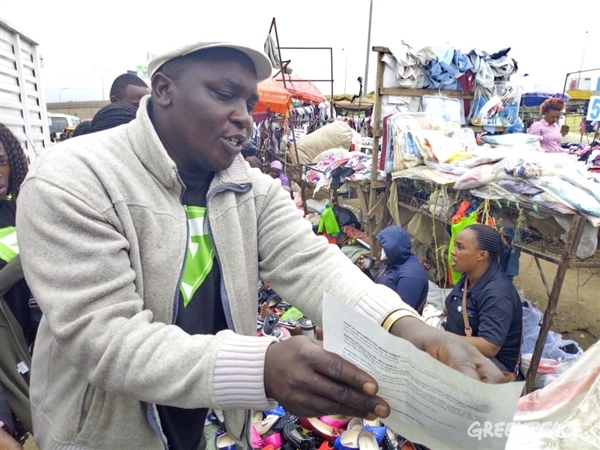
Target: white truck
[(22, 99)]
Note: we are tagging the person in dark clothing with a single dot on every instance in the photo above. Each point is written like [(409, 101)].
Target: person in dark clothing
[(251, 154), (7, 426), (113, 115), (400, 269), (493, 303), (13, 169), (84, 127), (19, 321)]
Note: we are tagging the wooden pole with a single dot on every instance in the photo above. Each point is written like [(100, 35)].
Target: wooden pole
[(377, 132), (575, 232)]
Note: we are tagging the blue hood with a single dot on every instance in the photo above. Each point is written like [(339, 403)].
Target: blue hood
[(396, 243)]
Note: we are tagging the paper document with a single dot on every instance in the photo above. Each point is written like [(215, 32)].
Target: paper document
[(431, 404)]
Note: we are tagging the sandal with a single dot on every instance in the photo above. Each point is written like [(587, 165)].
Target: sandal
[(293, 434)]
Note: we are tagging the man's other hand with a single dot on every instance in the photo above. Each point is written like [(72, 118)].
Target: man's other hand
[(310, 382), (448, 349)]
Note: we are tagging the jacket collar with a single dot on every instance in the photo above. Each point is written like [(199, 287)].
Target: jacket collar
[(151, 152)]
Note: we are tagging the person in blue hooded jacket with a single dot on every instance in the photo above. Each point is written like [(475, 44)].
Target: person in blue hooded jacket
[(400, 269)]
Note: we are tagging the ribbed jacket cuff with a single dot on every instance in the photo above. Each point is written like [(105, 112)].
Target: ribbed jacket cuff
[(239, 373), (380, 303)]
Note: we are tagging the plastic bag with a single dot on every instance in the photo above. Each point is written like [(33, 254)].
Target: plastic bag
[(485, 156), (556, 348), (440, 204), (402, 127), (498, 107), (522, 168), (573, 195), (564, 414), (589, 239), (466, 139), (446, 112), (511, 139), (478, 176), (435, 146)]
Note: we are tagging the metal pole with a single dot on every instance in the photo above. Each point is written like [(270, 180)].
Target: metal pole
[(345, 70), (331, 99), (102, 75), (59, 93), (366, 88), (582, 58), (565, 85), (283, 69)]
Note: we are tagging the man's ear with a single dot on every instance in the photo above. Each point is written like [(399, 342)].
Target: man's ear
[(114, 99), (162, 89)]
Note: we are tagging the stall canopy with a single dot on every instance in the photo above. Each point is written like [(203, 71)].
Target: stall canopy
[(301, 88), (272, 97)]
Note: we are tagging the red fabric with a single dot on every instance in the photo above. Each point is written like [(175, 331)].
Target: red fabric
[(467, 83), (272, 97), (301, 88)]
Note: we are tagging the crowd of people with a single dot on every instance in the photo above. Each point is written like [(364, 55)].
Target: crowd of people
[(140, 248)]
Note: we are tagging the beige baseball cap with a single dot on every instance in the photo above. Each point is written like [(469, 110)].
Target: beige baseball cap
[(261, 62)]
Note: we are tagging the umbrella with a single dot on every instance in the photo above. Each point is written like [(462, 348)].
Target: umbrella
[(272, 97), (301, 88)]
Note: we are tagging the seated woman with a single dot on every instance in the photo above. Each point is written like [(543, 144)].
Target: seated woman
[(400, 269), (276, 171), (493, 304)]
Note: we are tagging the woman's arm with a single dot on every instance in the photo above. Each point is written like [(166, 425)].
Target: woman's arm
[(535, 128), (495, 318), (488, 349)]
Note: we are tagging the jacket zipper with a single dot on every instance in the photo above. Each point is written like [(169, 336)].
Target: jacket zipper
[(152, 410), (223, 292)]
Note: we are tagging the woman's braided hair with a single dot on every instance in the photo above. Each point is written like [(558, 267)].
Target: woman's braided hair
[(19, 164), (113, 115), (488, 239)]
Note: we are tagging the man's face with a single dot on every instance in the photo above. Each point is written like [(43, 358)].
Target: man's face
[(208, 111), (133, 94)]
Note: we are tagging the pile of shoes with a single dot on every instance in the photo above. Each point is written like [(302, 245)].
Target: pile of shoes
[(277, 429)]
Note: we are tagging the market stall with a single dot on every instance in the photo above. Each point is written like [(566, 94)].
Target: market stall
[(427, 165)]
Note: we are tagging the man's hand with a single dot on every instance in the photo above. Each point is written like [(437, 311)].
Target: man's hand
[(359, 262), (449, 349), (7, 442), (310, 382)]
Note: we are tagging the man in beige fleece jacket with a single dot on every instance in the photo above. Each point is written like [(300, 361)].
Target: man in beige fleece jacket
[(143, 245)]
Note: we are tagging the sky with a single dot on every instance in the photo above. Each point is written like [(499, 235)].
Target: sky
[(85, 44)]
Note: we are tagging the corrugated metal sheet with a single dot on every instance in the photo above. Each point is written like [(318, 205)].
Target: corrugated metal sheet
[(22, 101)]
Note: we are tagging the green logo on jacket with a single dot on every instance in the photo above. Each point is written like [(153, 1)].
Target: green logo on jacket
[(8, 244), (200, 254)]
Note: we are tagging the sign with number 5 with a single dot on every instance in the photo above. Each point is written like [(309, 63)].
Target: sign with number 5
[(594, 109)]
